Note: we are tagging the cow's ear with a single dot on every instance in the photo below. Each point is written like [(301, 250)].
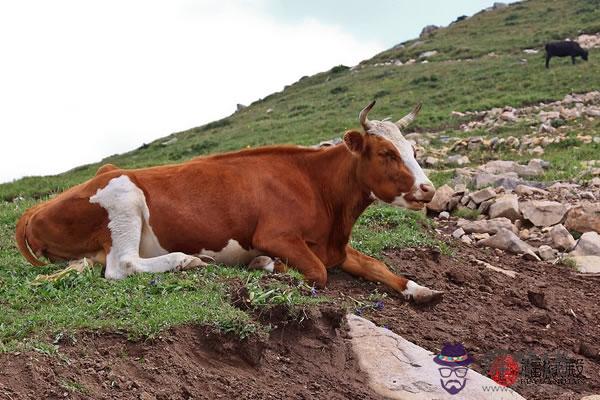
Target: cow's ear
[(355, 141)]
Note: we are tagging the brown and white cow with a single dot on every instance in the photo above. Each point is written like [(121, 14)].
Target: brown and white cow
[(294, 203)]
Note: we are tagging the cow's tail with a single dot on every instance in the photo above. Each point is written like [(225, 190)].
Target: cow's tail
[(21, 237)]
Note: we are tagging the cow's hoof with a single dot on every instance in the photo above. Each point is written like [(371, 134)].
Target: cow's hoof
[(427, 296), (191, 262)]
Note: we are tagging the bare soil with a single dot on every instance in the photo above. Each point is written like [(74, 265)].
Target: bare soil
[(487, 311)]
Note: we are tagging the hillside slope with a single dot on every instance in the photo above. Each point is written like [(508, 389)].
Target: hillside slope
[(463, 76)]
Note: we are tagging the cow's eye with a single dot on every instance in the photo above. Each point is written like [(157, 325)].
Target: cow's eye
[(389, 154)]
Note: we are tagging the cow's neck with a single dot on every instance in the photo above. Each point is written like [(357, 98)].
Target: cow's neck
[(342, 192)]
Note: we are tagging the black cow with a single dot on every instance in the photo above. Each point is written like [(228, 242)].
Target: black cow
[(564, 49)]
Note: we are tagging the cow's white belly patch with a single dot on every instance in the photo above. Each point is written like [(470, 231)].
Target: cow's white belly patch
[(232, 254)]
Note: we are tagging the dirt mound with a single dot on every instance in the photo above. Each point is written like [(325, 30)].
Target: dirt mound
[(306, 361)]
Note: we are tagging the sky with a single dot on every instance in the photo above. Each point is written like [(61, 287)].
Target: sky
[(81, 80)]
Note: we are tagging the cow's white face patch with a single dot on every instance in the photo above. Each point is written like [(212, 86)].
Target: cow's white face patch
[(232, 254), (390, 131)]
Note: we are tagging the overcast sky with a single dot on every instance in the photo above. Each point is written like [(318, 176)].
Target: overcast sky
[(81, 80)]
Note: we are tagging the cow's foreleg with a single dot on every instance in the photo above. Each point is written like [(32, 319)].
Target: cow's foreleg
[(294, 252), (366, 267)]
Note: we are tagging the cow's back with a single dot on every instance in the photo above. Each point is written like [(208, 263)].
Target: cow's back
[(205, 203)]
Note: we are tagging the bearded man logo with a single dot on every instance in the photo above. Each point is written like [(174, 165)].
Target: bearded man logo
[(453, 361)]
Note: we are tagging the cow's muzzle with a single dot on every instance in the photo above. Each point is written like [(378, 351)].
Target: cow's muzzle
[(422, 193)]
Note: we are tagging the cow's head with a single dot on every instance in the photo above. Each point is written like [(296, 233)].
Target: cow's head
[(387, 164)]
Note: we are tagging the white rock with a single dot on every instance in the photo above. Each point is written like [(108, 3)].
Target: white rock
[(543, 212), (587, 245), (523, 190), (490, 226), (505, 206), (428, 54), (480, 236), (482, 195), (400, 370), (444, 215), (508, 241), (458, 233), (547, 253), (587, 264), (562, 238), (441, 198), (457, 159)]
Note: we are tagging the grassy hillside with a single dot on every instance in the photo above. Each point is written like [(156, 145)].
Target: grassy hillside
[(324, 105), (313, 109), (523, 25)]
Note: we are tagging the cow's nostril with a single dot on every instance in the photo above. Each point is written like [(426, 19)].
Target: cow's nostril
[(428, 191)]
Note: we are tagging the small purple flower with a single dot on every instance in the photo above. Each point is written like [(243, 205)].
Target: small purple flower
[(385, 327), (154, 282), (358, 311), (313, 291), (378, 305)]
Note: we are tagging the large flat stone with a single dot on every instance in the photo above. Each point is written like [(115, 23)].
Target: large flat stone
[(399, 369), (543, 212)]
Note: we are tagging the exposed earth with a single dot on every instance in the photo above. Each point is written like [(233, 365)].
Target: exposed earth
[(488, 311)]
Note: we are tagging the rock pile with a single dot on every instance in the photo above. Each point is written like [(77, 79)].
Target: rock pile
[(536, 222), (547, 122)]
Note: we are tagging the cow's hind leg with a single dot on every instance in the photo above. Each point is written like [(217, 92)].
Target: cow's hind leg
[(366, 267), (127, 212)]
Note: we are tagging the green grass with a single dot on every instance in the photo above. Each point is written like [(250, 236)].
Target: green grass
[(526, 24), (74, 387), (466, 213), (384, 227), (32, 315)]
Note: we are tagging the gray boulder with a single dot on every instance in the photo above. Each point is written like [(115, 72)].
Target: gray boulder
[(441, 198), (482, 195), (562, 238), (506, 240), (505, 206), (587, 264), (490, 226), (588, 245), (543, 212)]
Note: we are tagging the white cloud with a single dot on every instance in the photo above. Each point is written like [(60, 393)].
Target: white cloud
[(80, 80)]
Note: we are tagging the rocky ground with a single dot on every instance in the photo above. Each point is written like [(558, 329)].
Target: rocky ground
[(515, 217)]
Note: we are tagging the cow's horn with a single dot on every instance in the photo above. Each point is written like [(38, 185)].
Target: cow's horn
[(408, 118), (362, 117)]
